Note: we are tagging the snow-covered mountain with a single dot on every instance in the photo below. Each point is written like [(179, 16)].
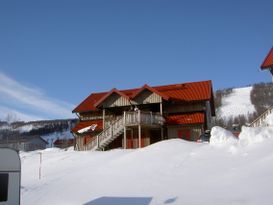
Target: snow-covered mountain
[(49, 130)]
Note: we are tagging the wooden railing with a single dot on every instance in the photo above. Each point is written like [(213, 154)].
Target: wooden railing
[(260, 121), (117, 127), (140, 117)]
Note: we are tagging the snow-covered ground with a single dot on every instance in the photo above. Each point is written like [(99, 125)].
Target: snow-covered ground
[(236, 103), (226, 171)]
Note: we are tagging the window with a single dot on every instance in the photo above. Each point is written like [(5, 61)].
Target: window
[(4, 182)]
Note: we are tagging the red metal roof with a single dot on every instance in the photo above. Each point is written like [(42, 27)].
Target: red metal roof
[(190, 118), (84, 124), (194, 91), (268, 61)]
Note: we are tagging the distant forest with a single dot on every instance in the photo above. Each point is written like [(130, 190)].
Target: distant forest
[(261, 97), (12, 130)]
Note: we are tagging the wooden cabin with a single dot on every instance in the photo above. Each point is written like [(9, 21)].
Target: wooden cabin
[(138, 117)]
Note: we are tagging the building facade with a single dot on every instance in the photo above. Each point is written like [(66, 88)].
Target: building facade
[(138, 117)]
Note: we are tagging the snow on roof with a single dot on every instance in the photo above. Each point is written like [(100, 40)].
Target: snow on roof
[(88, 128)]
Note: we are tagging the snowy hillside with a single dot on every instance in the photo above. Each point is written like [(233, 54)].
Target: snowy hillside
[(49, 130), (236, 103), (227, 171)]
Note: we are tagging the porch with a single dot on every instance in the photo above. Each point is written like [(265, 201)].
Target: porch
[(128, 124)]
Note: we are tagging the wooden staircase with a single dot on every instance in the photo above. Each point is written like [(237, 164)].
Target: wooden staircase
[(260, 121), (116, 129)]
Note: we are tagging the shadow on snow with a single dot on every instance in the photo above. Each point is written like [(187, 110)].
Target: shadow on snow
[(107, 200), (120, 201)]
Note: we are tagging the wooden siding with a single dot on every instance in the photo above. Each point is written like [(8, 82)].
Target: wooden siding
[(115, 100), (195, 131), (175, 108), (90, 116), (147, 97), (133, 140)]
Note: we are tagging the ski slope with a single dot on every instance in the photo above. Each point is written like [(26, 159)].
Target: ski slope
[(226, 171), (236, 103)]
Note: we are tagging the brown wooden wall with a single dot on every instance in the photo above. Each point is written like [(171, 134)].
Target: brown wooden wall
[(175, 108), (182, 131)]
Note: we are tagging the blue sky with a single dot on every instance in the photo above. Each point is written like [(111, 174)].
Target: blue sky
[(60, 51)]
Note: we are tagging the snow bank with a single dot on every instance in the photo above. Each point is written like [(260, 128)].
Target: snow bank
[(252, 135), (247, 137), (221, 137), (169, 172)]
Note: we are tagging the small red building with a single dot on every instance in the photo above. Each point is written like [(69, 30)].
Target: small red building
[(141, 116), (64, 143), (268, 62)]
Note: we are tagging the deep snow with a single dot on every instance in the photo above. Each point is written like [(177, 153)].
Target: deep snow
[(169, 172)]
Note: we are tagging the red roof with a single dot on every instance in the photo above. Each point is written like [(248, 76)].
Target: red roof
[(190, 118), (194, 91), (84, 124), (268, 61)]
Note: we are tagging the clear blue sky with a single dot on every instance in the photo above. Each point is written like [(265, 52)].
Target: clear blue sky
[(68, 49)]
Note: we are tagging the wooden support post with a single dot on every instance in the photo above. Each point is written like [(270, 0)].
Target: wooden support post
[(161, 108), (161, 113), (139, 129), (139, 136), (103, 119), (124, 131)]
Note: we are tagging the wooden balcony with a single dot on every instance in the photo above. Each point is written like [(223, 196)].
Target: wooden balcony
[(134, 118)]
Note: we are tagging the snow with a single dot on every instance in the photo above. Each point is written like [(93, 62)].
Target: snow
[(85, 129), (237, 103), (27, 128), (221, 137), (169, 172), (269, 119), (52, 137)]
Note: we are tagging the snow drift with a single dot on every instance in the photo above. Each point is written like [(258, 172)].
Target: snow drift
[(169, 172)]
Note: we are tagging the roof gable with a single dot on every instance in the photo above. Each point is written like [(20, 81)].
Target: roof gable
[(107, 95), (147, 87), (268, 61)]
